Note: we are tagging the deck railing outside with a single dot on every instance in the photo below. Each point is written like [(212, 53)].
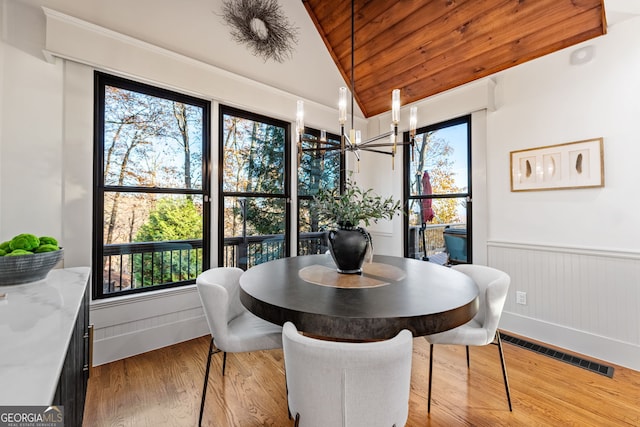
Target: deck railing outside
[(136, 265), (428, 241), (253, 250)]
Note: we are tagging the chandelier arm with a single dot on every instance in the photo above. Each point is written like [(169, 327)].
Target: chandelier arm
[(377, 151), (349, 145), (376, 138), (383, 144)]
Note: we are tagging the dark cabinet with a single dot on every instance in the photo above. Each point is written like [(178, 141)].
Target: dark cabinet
[(72, 385)]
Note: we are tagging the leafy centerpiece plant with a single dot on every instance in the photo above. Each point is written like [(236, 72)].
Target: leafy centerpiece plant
[(348, 241)]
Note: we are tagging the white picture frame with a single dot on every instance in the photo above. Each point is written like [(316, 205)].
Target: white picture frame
[(578, 164)]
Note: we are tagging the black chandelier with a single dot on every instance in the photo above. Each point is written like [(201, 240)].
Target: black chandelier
[(352, 141)]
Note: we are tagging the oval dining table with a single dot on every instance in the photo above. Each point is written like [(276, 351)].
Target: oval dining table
[(391, 294)]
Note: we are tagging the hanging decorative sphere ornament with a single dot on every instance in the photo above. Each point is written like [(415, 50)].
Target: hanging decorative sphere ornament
[(262, 26)]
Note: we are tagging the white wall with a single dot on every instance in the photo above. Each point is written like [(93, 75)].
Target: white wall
[(31, 135), (575, 252), (549, 101), (1, 106), (46, 125)]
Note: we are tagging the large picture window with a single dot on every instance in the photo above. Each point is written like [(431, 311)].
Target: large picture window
[(438, 193), (254, 184), (151, 187)]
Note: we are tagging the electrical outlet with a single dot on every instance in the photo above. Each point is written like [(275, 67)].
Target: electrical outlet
[(521, 297)]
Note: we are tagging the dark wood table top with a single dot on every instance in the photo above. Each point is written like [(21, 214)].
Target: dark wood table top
[(392, 294)]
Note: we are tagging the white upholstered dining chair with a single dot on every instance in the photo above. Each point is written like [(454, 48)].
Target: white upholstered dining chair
[(482, 330), (346, 384), (234, 329)]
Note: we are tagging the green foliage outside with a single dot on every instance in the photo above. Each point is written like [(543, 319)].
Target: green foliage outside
[(171, 220), (319, 170), (152, 142), (254, 162)]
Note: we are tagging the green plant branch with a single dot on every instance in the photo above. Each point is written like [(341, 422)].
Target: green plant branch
[(354, 206)]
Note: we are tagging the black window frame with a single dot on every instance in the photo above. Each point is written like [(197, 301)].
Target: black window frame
[(466, 119), (342, 179), (101, 80), (286, 196)]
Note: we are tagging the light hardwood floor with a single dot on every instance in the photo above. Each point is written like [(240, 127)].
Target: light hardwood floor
[(162, 388)]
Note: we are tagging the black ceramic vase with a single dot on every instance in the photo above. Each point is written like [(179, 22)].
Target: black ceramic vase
[(348, 247)]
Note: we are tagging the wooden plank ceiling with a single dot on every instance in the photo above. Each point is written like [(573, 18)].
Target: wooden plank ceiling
[(424, 47)]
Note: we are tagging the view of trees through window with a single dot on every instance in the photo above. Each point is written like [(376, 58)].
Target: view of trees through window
[(255, 188), (438, 190), (319, 168), (151, 186)]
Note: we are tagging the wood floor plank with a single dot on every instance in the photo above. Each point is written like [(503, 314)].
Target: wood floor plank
[(163, 387)]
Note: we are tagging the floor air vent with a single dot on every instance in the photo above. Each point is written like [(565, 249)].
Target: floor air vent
[(589, 365)]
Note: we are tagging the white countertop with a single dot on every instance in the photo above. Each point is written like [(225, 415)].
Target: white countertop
[(36, 323)]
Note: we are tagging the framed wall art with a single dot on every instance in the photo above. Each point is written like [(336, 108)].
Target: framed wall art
[(577, 164)]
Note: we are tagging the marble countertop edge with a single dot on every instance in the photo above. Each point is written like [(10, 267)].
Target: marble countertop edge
[(36, 323)]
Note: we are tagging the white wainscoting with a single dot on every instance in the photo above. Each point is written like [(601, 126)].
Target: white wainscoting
[(130, 325), (581, 299)]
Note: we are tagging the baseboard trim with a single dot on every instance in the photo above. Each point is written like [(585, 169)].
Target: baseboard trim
[(130, 344), (598, 347)]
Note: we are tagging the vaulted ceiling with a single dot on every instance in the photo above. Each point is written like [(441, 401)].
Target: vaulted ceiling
[(424, 47)]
